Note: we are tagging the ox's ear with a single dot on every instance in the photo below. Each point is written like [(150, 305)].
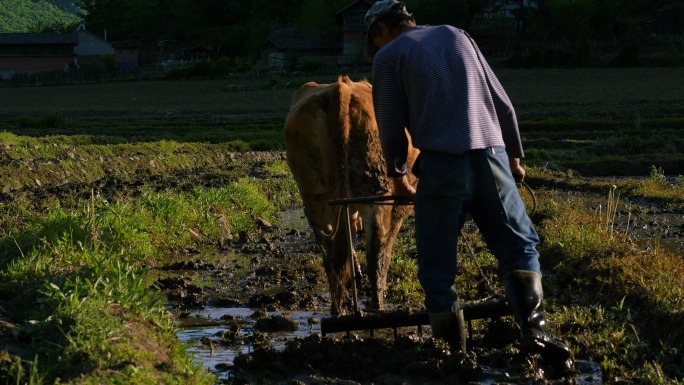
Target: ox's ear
[(345, 79)]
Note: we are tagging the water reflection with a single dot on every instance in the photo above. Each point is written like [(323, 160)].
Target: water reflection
[(211, 321)]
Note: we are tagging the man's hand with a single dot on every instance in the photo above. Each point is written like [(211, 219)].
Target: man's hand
[(402, 187), (516, 169)]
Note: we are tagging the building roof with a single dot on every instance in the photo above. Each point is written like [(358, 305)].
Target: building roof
[(290, 38), (38, 39), (354, 5), (81, 32)]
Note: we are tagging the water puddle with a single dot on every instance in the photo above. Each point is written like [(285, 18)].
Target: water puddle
[(207, 325)]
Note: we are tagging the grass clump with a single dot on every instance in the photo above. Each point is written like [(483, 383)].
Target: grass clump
[(74, 280), (618, 297), (657, 187), (88, 314)]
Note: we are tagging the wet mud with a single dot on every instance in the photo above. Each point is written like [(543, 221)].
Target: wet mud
[(252, 314), (648, 223)]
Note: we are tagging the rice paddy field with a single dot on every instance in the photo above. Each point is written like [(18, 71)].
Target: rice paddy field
[(105, 187)]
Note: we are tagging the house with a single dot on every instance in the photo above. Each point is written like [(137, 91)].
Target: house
[(35, 52), (194, 54), (26, 53), (288, 40), (127, 54), (91, 45), (352, 20), (510, 10)]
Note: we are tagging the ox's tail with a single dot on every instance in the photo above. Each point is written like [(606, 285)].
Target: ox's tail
[(339, 127)]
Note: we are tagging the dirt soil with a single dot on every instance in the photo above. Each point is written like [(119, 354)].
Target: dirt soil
[(279, 270)]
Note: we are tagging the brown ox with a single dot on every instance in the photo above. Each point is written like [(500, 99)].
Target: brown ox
[(334, 152)]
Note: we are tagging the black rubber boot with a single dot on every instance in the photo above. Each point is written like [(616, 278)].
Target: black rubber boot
[(450, 326), (525, 294)]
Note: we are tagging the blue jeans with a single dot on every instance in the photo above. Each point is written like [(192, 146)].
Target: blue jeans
[(478, 182)]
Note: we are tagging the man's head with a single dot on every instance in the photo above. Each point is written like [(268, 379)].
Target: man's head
[(385, 20)]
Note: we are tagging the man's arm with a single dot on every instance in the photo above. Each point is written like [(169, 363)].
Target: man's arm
[(505, 112), (402, 187), (516, 169)]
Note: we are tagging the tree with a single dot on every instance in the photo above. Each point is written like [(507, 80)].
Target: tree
[(435, 12), (32, 16), (316, 17)]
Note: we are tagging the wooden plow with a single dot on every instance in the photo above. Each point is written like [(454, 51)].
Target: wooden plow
[(493, 307)]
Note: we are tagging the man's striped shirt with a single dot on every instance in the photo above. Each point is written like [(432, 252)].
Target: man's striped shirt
[(435, 82)]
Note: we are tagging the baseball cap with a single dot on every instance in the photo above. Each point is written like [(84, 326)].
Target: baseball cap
[(384, 7), (378, 10)]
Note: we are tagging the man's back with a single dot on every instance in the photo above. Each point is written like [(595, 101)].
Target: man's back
[(435, 81)]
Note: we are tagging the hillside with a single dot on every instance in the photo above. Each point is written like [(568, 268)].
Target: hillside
[(29, 16), (65, 5)]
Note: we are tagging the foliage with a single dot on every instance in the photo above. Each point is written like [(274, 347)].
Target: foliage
[(235, 27), (582, 33), (435, 12), (550, 33), (104, 65), (33, 16), (84, 298), (315, 17), (636, 294), (50, 121)]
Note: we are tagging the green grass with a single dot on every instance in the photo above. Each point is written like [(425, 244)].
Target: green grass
[(74, 280), (634, 298), (86, 312)]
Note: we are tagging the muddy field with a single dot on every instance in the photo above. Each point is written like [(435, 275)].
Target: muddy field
[(250, 306), (252, 315)]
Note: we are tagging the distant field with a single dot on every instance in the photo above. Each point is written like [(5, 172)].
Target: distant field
[(593, 121), (537, 94)]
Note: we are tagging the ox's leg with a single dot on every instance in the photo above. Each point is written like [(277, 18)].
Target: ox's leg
[(336, 261), (356, 222), (380, 234)]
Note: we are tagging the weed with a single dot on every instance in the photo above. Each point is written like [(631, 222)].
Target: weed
[(26, 372), (658, 175), (537, 155), (611, 210), (402, 286), (9, 139)]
